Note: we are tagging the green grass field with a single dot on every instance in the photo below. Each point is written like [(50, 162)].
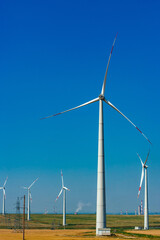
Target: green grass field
[(81, 221)]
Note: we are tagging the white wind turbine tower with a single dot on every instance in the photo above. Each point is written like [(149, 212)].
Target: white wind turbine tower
[(63, 189), (29, 198), (101, 202), (144, 170), (4, 196)]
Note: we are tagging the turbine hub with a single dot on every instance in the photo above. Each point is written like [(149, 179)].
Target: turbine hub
[(101, 97)]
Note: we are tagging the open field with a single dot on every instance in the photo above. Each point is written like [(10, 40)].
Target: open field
[(68, 234), (82, 226), (81, 221), (153, 232), (50, 235)]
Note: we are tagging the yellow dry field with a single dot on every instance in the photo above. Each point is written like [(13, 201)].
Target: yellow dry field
[(84, 234), (153, 232)]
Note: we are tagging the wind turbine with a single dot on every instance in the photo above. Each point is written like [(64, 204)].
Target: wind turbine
[(63, 189), (4, 196), (29, 198), (144, 170), (101, 202)]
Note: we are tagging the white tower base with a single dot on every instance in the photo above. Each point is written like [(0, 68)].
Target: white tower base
[(104, 232)]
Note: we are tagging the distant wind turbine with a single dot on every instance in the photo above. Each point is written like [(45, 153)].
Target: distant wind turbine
[(29, 198), (4, 196), (63, 189), (101, 201), (144, 170)]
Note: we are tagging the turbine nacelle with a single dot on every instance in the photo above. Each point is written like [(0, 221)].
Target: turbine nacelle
[(66, 188), (101, 97)]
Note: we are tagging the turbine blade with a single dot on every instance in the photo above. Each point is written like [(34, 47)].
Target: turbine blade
[(66, 188), (110, 104), (62, 179), (105, 77), (24, 187), (1, 188), (5, 182), (82, 105), (140, 159), (59, 194), (147, 158), (32, 183), (142, 175)]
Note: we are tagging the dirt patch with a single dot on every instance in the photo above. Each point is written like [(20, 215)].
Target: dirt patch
[(124, 236)]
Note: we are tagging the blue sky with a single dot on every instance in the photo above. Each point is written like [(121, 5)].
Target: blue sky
[(53, 57)]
